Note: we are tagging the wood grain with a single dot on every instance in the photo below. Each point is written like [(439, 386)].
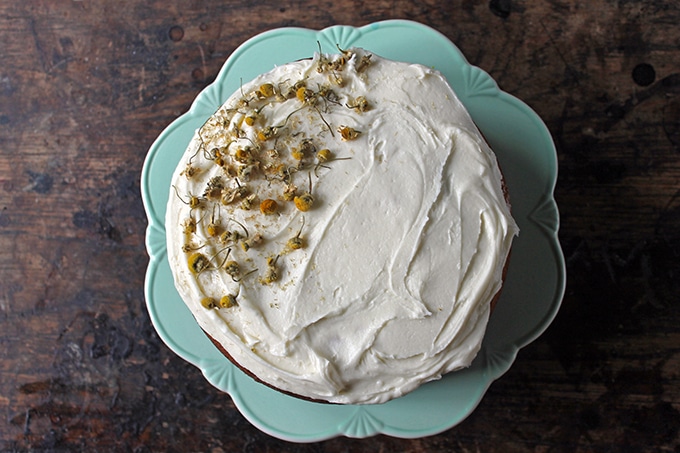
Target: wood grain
[(85, 88)]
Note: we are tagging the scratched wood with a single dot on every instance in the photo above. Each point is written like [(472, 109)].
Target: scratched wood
[(86, 86)]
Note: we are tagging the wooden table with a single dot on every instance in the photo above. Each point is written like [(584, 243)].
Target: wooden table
[(86, 86)]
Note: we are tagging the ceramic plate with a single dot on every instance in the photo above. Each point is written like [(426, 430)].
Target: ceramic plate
[(535, 280)]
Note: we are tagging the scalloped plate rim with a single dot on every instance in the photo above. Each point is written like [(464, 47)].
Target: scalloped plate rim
[(512, 348)]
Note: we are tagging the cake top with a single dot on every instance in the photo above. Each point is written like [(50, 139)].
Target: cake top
[(339, 227)]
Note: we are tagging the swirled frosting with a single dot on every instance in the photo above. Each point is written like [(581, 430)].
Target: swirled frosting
[(385, 281)]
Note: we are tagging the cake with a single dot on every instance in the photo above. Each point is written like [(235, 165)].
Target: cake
[(339, 228)]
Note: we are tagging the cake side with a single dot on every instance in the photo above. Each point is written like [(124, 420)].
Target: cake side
[(339, 227)]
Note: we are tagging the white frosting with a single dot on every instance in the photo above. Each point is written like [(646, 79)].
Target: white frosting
[(404, 246)]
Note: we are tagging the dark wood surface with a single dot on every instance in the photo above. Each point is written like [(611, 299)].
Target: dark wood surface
[(86, 86)]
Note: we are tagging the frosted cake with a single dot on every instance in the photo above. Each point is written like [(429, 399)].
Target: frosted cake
[(339, 228)]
